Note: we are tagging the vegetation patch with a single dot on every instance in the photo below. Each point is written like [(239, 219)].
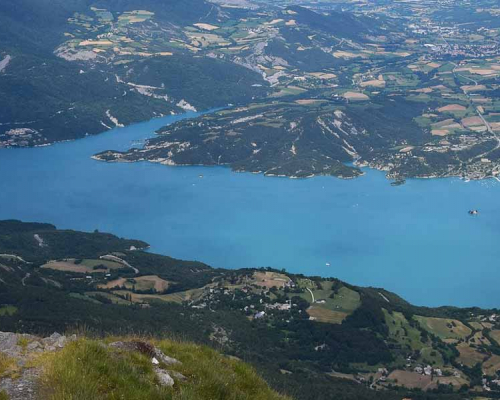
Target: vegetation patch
[(7, 311), (7, 365), (87, 369)]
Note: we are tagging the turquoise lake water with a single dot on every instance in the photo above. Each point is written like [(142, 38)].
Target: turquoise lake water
[(416, 240)]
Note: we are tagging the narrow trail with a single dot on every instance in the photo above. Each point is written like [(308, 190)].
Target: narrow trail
[(110, 257), (23, 281), (312, 295)]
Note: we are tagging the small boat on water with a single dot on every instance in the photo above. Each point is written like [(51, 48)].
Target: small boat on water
[(473, 212), (327, 264)]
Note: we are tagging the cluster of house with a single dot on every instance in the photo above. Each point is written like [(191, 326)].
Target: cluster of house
[(486, 384), (19, 137), (494, 318), (430, 371), (275, 306)]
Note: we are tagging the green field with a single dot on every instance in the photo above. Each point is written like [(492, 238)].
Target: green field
[(401, 331), (444, 328), (326, 308)]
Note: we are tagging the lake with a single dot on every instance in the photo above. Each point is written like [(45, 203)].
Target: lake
[(416, 240)]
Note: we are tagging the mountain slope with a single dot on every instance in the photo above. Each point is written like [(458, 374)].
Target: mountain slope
[(301, 138), (339, 24), (47, 97), (309, 337)]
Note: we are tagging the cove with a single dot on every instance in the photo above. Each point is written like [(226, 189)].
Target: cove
[(416, 240)]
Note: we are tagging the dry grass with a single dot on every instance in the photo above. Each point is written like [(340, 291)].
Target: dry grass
[(85, 267), (452, 107), (469, 356), (473, 88), (452, 380), (7, 365), (270, 279), (140, 283), (374, 83), (411, 380), (472, 121), (152, 281), (322, 314), (491, 366), (440, 132), (356, 96), (495, 335)]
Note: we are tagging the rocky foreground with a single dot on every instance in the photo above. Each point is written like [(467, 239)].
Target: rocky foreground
[(20, 374)]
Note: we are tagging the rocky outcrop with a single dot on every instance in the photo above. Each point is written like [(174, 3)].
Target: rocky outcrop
[(19, 381)]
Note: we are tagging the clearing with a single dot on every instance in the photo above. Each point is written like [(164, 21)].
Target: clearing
[(411, 380), (86, 266), (270, 279), (452, 107), (444, 328), (469, 356), (206, 27), (356, 96)]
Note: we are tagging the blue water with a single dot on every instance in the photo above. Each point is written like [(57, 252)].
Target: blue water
[(416, 239)]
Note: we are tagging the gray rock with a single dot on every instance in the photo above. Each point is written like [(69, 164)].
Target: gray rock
[(34, 346), (164, 378), (8, 341), (24, 388), (164, 358), (55, 341)]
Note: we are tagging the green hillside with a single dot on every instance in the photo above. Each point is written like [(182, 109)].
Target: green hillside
[(308, 337)]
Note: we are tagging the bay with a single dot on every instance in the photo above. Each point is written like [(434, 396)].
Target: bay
[(416, 240)]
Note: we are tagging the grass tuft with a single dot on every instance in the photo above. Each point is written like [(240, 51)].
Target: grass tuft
[(7, 366)]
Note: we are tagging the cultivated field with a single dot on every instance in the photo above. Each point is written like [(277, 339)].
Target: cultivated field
[(270, 279), (84, 266)]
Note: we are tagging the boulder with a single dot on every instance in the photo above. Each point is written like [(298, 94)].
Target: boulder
[(8, 344), (164, 377)]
